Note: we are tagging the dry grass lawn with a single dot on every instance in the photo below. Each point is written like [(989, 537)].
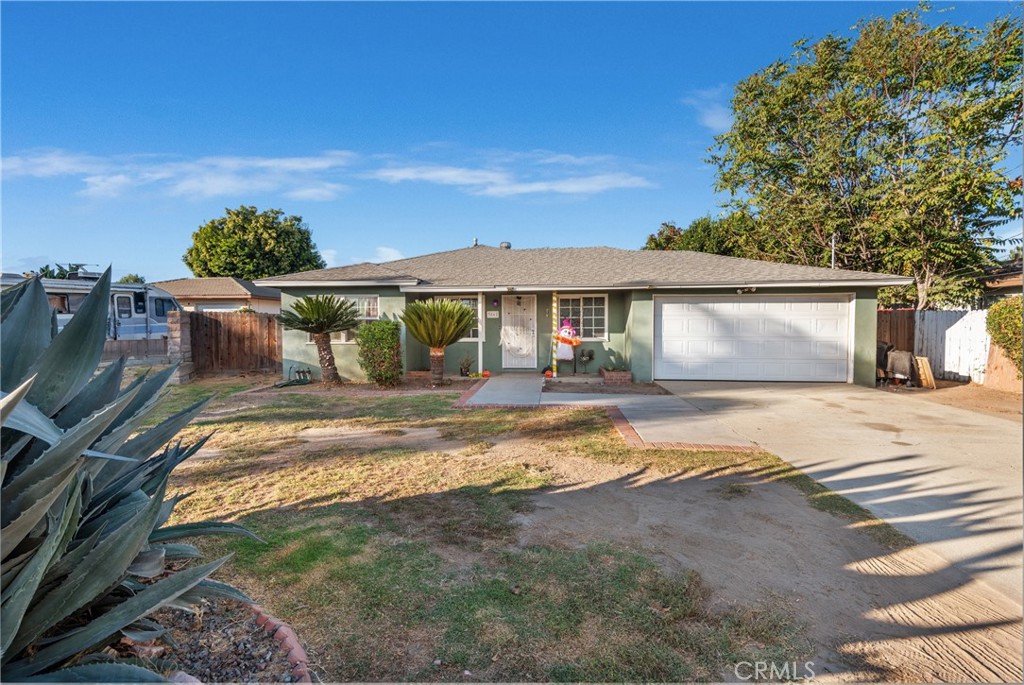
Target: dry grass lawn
[(406, 540)]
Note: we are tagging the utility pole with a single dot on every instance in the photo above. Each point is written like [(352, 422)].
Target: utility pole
[(834, 249)]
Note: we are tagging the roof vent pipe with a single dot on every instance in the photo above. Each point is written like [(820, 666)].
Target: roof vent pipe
[(505, 245)]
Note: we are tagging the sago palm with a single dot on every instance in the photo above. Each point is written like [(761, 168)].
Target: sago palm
[(437, 324), (320, 316)]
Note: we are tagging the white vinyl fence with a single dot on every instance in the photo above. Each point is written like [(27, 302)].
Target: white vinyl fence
[(955, 343)]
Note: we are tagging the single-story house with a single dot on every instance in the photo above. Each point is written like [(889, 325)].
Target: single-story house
[(664, 315), (222, 294)]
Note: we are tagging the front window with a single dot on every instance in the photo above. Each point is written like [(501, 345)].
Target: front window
[(588, 314), (366, 310), (162, 305), (474, 304)]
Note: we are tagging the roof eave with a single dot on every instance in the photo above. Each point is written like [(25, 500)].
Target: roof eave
[(846, 283), (331, 284)]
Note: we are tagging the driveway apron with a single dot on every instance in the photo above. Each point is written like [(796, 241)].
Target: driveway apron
[(948, 477)]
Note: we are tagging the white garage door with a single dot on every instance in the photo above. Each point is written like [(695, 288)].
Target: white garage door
[(752, 338)]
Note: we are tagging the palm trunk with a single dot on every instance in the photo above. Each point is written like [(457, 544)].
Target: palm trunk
[(436, 365), (328, 369)]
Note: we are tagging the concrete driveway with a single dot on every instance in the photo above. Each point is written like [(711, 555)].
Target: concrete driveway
[(948, 477)]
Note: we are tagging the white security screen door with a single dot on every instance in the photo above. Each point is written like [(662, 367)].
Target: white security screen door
[(519, 331)]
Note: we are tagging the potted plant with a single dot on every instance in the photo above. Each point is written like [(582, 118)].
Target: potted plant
[(465, 364)]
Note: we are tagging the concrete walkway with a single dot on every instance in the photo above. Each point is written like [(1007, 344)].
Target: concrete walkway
[(948, 477), (655, 418)]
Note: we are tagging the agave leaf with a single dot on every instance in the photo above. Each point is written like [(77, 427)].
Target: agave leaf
[(100, 391), (215, 588), (101, 568), (24, 335), (146, 398), (149, 563), (99, 673), (12, 398), (16, 500), (180, 550), (18, 529), (69, 448), (188, 530), (167, 508), (54, 324), (71, 559), (20, 592), (68, 363), (10, 296), (126, 509), (140, 634), (126, 613), (145, 444)]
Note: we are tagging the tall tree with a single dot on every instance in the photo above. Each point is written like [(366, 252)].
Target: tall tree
[(725, 236), (249, 244), (132, 278), (894, 141)]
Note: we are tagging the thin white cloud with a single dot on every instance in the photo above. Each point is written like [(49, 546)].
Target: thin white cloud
[(106, 186), (712, 108), (319, 178), (330, 257), (318, 192), (300, 177), (380, 254), (444, 175), (50, 163), (501, 183), (578, 185), (386, 254)]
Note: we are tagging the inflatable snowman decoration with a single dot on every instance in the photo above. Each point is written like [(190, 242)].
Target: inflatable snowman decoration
[(567, 341)]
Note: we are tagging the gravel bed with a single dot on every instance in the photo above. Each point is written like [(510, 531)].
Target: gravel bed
[(223, 644)]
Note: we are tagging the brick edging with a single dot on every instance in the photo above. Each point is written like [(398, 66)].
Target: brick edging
[(289, 641), (473, 389)]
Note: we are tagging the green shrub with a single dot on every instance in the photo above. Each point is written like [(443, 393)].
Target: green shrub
[(1004, 324), (87, 552), (380, 352)]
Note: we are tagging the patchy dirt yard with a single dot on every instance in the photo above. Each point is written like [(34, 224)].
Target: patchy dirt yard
[(1007, 405), (407, 540)]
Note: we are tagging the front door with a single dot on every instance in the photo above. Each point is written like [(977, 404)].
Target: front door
[(519, 331)]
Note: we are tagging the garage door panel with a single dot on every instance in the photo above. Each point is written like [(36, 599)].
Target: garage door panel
[(800, 338)]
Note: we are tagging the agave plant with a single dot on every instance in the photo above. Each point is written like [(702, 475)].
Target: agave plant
[(320, 316), (87, 552), (437, 324)]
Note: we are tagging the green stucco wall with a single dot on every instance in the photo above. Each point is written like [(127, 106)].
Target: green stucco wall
[(865, 330), (298, 353)]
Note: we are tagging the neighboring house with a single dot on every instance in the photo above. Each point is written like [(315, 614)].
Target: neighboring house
[(137, 311), (222, 294), (666, 315), (1002, 282)]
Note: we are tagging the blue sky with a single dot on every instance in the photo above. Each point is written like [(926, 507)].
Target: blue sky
[(392, 129)]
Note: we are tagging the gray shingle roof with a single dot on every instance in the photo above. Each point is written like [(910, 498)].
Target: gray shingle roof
[(488, 267), (219, 286)]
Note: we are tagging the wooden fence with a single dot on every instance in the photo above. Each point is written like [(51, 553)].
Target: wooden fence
[(955, 343), (234, 341), (896, 327), (155, 349)]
